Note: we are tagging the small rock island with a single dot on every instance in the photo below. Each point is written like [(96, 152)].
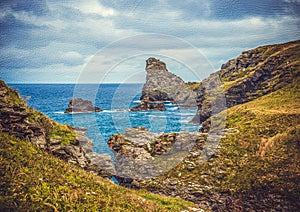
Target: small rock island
[(79, 105)]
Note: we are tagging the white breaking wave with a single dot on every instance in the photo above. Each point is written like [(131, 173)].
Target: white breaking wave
[(60, 112), (157, 116), (115, 111), (173, 108)]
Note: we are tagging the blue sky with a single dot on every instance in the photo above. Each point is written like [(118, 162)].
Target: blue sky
[(75, 41)]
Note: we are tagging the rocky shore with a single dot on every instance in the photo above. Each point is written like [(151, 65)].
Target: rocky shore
[(141, 154)]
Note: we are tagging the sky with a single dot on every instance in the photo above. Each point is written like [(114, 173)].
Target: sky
[(108, 41)]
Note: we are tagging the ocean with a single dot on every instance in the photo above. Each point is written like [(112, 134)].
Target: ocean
[(115, 100)]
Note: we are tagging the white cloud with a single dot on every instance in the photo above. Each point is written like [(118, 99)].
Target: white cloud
[(71, 55), (94, 7)]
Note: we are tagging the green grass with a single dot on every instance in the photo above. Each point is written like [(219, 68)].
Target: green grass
[(33, 180), (11, 97)]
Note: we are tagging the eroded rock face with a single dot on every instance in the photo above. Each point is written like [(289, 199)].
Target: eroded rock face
[(253, 74), (78, 105), (162, 85), (148, 105), (29, 125), (141, 154)]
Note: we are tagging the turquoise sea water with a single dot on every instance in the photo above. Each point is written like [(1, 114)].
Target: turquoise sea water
[(114, 99)]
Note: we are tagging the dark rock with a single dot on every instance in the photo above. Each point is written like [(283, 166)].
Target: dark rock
[(78, 105), (147, 105)]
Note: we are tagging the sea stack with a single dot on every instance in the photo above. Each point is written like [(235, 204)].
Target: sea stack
[(162, 85)]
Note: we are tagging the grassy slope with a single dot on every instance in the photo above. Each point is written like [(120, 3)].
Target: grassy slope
[(31, 179), (263, 155)]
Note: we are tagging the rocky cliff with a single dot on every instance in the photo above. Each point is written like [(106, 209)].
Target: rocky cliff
[(256, 165), (63, 141), (253, 74), (162, 85)]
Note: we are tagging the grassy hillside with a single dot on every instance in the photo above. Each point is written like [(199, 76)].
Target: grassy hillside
[(33, 180)]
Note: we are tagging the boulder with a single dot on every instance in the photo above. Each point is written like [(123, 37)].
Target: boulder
[(78, 105)]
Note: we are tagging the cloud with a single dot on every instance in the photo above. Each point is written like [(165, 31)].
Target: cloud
[(95, 7), (48, 35)]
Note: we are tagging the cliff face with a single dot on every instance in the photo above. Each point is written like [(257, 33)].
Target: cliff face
[(162, 85), (63, 141), (254, 73)]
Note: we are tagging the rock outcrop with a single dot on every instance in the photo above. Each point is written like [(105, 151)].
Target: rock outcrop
[(162, 85), (140, 154), (78, 105), (63, 141), (253, 74), (148, 105)]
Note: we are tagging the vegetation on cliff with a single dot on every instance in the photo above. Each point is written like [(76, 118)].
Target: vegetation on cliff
[(253, 74)]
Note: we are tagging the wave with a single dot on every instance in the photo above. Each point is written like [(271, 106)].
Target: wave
[(173, 108), (157, 116), (115, 111), (188, 114), (59, 112)]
